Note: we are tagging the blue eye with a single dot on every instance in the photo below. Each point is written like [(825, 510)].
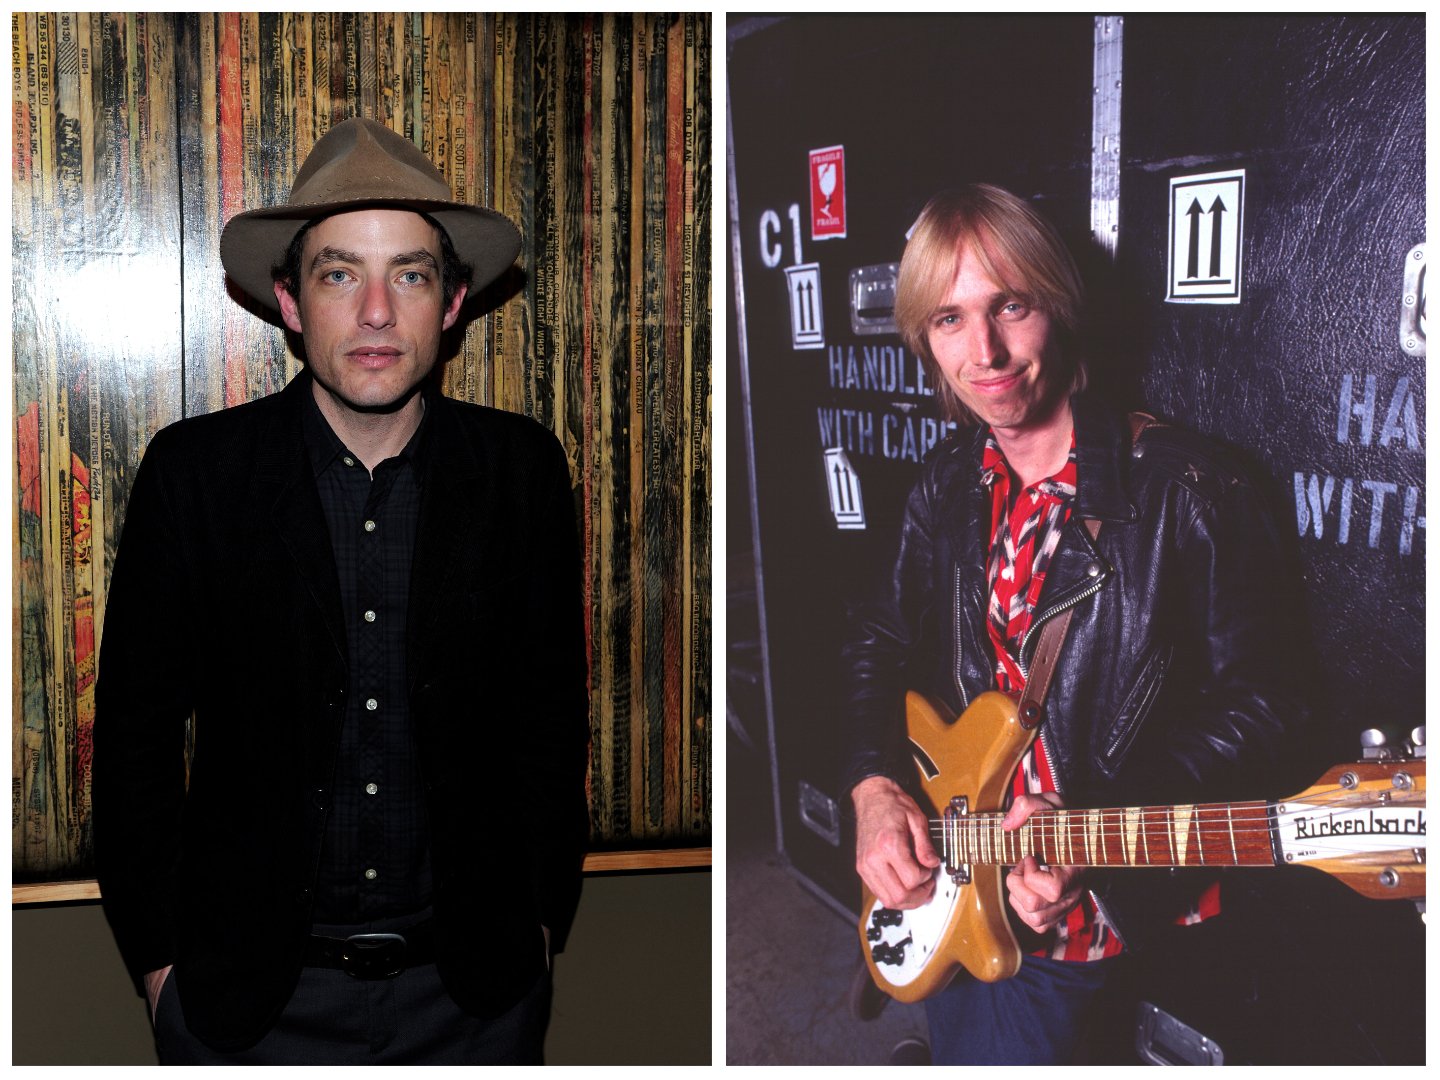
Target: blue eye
[(413, 277)]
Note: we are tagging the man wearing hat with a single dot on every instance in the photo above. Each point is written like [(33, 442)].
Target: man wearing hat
[(367, 597)]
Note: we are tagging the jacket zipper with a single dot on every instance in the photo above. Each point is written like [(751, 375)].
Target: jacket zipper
[(1109, 918), (956, 609), (1084, 594), (1140, 713), (1050, 761)]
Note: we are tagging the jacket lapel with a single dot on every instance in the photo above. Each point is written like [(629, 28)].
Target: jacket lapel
[(1101, 444), (285, 483), (968, 528), (1100, 441), (454, 536)]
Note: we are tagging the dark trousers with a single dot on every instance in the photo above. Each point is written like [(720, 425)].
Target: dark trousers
[(334, 1019), (1035, 1018)]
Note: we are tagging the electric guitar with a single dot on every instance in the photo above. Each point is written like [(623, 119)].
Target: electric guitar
[(1362, 823)]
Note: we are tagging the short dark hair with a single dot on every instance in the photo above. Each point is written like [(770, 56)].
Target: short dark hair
[(453, 272)]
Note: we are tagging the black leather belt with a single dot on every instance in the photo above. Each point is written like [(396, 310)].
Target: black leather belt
[(374, 956)]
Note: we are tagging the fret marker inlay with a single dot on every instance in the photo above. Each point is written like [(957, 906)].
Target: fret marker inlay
[(1180, 832), (1132, 829)]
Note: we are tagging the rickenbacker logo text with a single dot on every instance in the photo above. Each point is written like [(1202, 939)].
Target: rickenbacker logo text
[(1360, 824)]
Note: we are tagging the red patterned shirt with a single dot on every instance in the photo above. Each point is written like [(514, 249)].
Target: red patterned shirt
[(1023, 538)]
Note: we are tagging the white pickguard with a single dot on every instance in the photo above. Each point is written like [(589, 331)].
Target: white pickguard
[(922, 926)]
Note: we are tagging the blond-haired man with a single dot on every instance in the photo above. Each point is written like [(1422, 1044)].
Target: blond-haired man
[(1172, 683)]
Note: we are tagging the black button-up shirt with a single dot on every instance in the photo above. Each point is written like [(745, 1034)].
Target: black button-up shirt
[(375, 863)]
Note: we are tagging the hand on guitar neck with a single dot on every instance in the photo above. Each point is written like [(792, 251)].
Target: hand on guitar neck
[(893, 852), (1040, 895)]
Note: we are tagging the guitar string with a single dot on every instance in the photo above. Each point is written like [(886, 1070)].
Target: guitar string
[(1258, 810), (980, 835), (1005, 849), (1132, 828)]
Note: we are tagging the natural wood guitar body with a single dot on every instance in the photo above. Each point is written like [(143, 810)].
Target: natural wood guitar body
[(1363, 823)]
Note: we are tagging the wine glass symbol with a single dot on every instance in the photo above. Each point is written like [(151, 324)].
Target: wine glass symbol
[(827, 176)]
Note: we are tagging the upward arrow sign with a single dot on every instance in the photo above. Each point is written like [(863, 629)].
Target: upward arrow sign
[(1192, 264), (842, 489), (1217, 211), (1208, 269), (1217, 218)]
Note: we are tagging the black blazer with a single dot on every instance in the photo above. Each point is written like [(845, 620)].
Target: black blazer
[(224, 603)]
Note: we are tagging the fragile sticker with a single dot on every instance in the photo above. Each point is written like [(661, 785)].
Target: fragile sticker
[(827, 193)]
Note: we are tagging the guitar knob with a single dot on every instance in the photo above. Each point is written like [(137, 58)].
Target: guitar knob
[(872, 933), (890, 954)]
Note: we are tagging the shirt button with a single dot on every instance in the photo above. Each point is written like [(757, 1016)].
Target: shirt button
[(371, 788), (370, 875), (369, 616), (371, 704), (369, 526), (349, 461)]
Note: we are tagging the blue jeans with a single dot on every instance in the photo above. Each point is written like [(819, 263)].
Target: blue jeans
[(1035, 1018)]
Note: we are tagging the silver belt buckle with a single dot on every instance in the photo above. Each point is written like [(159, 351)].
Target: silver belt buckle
[(373, 956)]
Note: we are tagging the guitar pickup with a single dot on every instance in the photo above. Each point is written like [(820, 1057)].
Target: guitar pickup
[(959, 871)]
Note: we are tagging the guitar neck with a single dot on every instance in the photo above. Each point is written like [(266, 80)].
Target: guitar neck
[(1209, 834)]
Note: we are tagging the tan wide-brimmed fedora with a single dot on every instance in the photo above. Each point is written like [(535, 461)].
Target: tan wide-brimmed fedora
[(361, 163)]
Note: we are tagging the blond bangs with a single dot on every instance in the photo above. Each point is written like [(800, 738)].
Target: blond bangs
[(1017, 248)]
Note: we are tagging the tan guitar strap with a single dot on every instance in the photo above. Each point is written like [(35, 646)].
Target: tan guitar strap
[(1052, 637)]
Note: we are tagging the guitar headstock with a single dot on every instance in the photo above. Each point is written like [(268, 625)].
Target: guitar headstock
[(1363, 823)]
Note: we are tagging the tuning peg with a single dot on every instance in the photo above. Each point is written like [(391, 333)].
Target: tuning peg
[(1379, 743), (1417, 741)]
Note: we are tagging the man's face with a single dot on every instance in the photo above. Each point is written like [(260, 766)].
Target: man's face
[(371, 307), (999, 354)]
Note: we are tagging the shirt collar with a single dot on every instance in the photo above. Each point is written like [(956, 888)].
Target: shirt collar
[(994, 467), (324, 446)]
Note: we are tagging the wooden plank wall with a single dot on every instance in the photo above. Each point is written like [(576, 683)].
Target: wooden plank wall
[(137, 136)]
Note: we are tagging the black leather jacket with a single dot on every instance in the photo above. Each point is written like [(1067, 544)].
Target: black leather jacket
[(1176, 683)]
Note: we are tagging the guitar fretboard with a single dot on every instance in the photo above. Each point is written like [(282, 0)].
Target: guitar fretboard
[(1212, 834)]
